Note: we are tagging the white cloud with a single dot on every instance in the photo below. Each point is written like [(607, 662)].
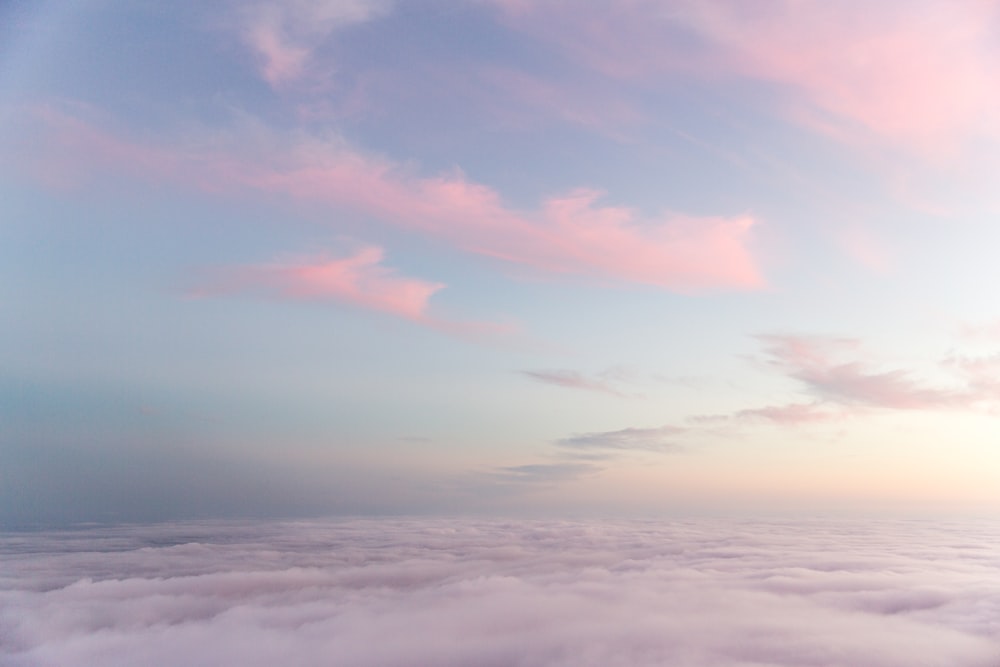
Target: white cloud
[(475, 592)]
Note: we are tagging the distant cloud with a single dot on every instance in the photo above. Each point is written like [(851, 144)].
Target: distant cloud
[(359, 279), (628, 439), (574, 380), (791, 413), (818, 364), (399, 593), (578, 455), (840, 384), (540, 473), (284, 33)]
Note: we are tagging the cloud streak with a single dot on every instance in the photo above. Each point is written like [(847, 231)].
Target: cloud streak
[(840, 386), (817, 363), (573, 380), (544, 473), (359, 279), (658, 439), (791, 414)]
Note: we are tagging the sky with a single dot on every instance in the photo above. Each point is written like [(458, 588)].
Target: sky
[(355, 257)]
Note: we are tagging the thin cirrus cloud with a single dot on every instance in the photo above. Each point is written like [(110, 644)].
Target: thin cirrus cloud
[(573, 380), (283, 34), (915, 75), (841, 386), (572, 234), (543, 473), (819, 364), (791, 414), (658, 439), (360, 279), (575, 456)]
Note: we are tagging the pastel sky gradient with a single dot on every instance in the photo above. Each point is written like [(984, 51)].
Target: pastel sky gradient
[(284, 257)]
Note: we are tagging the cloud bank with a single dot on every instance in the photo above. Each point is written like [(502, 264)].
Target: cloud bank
[(527, 593)]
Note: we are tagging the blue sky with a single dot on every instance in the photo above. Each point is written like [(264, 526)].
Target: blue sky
[(284, 257)]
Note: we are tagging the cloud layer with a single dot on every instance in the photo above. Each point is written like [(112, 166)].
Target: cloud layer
[(537, 593)]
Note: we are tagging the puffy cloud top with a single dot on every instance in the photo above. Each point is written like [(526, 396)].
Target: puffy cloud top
[(527, 593)]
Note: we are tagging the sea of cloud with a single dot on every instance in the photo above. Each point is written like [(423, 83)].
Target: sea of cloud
[(490, 593)]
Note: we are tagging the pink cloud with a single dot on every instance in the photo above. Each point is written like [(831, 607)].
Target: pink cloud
[(817, 363), (570, 234), (982, 375), (918, 75), (281, 61), (841, 386), (359, 279)]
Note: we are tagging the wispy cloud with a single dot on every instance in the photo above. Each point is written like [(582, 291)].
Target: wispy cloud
[(791, 413), (575, 380), (359, 279), (578, 455), (544, 473), (571, 234), (918, 76), (817, 363), (283, 34), (841, 384), (660, 439)]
